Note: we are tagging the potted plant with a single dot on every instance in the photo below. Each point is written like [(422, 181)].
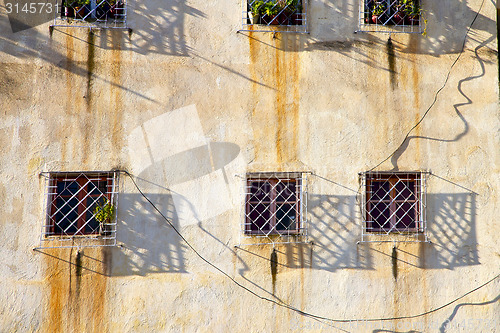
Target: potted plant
[(67, 9), (255, 11), (105, 213), (377, 13), (81, 8), (412, 10), (271, 9)]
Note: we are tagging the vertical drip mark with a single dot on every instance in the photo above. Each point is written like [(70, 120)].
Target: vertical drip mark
[(274, 268), (391, 59), (394, 263)]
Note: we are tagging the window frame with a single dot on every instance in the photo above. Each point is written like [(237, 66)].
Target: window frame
[(92, 188), (396, 16), (95, 14), (273, 203), (284, 21), (393, 205)]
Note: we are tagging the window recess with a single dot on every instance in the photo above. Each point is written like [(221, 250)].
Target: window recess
[(392, 16), (275, 207), (92, 14), (274, 16), (80, 209), (393, 206)]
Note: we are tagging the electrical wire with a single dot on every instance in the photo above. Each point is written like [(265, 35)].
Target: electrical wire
[(438, 91), (283, 304)]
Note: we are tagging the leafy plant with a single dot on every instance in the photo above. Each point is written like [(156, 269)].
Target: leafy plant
[(411, 7), (257, 7), (378, 10), (271, 8), (105, 211)]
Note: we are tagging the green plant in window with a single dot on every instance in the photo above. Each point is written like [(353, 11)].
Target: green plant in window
[(271, 8), (104, 211), (257, 8), (411, 8), (378, 9)]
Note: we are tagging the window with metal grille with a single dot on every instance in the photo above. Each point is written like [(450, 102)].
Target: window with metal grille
[(275, 204), (80, 204), (260, 15), (394, 202), (390, 15), (92, 13)]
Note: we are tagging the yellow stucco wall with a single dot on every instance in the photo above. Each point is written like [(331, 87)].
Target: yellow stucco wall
[(332, 102)]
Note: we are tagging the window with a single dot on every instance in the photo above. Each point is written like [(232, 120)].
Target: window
[(403, 15), (283, 15), (80, 204), (92, 13), (275, 204), (394, 202)]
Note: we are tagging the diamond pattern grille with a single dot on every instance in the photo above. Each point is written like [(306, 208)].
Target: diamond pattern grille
[(93, 13), (394, 203), (275, 15), (80, 206), (275, 207), (390, 15)]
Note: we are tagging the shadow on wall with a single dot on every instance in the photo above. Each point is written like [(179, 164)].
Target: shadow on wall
[(478, 324), (334, 230), (159, 26), (446, 26), (452, 230), (457, 106), (150, 243), (158, 29)]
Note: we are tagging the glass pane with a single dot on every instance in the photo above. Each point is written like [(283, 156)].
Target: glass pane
[(96, 187), (259, 217), (405, 216), (380, 213), (405, 190), (380, 190), (66, 217), (259, 191), (286, 217), (286, 192), (67, 188)]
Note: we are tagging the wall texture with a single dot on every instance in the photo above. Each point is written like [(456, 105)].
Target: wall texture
[(188, 105)]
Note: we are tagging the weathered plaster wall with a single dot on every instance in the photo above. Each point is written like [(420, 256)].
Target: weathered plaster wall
[(188, 105)]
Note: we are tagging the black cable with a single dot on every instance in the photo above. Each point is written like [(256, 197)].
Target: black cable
[(282, 304), (438, 91)]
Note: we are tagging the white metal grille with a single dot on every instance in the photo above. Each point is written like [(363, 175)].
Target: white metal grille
[(92, 14), (393, 205), (274, 15), (80, 209), (390, 16), (275, 207)]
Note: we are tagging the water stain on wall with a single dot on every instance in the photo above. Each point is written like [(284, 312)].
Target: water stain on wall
[(275, 71), (77, 285), (116, 92)]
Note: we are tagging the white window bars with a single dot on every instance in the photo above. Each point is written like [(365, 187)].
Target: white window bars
[(92, 14), (275, 207), (274, 16), (394, 16), (393, 206), (80, 209)]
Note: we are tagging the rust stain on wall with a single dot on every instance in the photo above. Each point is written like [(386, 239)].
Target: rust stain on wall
[(274, 71), (115, 92), (77, 282), (287, 98)]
